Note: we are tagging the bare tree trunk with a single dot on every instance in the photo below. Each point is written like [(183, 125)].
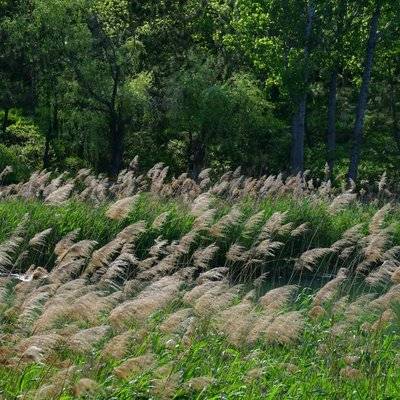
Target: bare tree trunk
[(298, 134), (331, 131), (394, 111), (196, 156), (298, 121), (357, 138), (50, 134), (117, 144)]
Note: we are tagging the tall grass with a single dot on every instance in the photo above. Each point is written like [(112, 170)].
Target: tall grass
[(170, 290)]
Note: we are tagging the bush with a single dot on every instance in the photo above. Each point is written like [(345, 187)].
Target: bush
[(9, 158)]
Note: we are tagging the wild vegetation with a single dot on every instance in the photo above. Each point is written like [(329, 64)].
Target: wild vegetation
[(194, 278), (271, 85), (151, 287)]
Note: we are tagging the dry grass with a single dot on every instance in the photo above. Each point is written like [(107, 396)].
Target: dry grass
[(92, 314)]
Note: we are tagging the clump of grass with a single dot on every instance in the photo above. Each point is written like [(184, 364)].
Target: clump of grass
[(152, 289)]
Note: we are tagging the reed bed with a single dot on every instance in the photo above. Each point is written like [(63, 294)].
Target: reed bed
[(155, 287)]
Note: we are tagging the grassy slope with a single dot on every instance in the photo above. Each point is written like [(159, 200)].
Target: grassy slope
[(309, 370)]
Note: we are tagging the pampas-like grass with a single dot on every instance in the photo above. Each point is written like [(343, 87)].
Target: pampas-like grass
[(191, 296), (66, 242), (203, 256), (341, 201), (160, 221), (132, 232), (118, 346), (328, 291), (387, 272), (134, 366), (276, 299), (152, 298), (273, 226), (236, 253), (310, 257), (102, 257), (236, 321), (221, 227), (44, 343), (82, 249), (165, 388), (60, 195), (200, 383), (6, 171), (85, 387), (300, 230), (378, 219), (215, 300), (252, 224), (84, 340), (121, 209), (40, 238), (285, 329), (215, 274), (177, 322)]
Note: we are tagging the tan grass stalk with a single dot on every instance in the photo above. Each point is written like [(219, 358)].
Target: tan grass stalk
[(329, 290), (121, 208)]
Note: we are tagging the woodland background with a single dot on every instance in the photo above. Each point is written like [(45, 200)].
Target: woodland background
[(270, 85)]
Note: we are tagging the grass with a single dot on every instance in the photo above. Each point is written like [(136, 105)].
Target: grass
[(355, 363), (306, 371)]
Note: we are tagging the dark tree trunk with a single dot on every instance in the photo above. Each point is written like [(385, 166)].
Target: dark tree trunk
[(46, 154), (117, 144), (298, 121), (51, 133), (5, 120), (298, 134), (196, 156), (331, 131), (394, 111), (357, 138)]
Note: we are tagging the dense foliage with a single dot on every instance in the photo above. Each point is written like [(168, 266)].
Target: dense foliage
[(270, 85)]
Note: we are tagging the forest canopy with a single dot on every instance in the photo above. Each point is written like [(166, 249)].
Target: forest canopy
[(269, 85)]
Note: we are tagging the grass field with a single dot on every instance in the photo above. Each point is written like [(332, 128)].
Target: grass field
[(149, 294)]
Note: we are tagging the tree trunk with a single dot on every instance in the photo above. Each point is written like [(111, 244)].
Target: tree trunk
[(394, 111), (196, 156), (298, 134), (298, 121), (363, 96), (46, 154), (51, 133), (331, 131), (117, 144), (5, 120)]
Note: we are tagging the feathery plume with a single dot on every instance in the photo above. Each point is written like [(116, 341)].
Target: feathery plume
[(252, 224), (387, 272), (327, 292), (341, 201), (203, 256), (60, 195), (134, 366), (121, 209), (378, 219), (40, 238), (66, 242), (310, 257), (85, 387), (285, 328), (276, 299), (84, 340)]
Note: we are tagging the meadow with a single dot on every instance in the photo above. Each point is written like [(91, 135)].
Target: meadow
[(156, 287)]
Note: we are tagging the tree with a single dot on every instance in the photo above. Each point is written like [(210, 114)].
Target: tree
[(363, 96)]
